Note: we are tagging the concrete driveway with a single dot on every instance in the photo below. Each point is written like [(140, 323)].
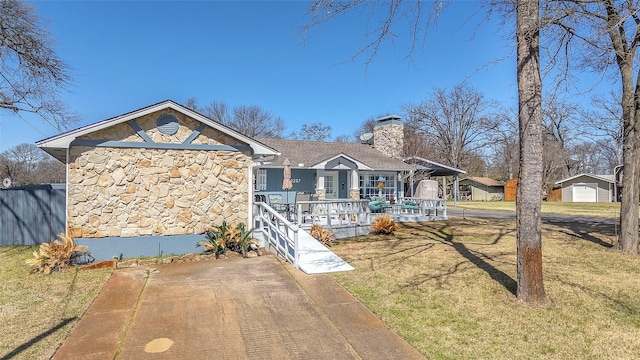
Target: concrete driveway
[(235, 308)]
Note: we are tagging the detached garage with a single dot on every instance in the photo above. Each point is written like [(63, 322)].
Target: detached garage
[(587, 188), (482, 188)]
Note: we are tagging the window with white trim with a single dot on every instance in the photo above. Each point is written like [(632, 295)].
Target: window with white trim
[(369, 185), (261, 180)]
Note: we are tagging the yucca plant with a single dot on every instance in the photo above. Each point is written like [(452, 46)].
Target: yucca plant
[(56, 255), (215, 242), (321, 234), (384, 225), (243, 239), (222, 238)]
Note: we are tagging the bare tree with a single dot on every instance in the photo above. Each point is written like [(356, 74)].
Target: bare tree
[(457, 122), (589, 157), (256, 122), (252, 120), (31, 73), (505, 146), (558, 131), (345, 138), (603, 125), (313, 132), (27, 164), (604, 35), (416, 144)]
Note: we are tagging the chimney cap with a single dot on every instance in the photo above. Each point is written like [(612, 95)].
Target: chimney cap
[(389, 119)]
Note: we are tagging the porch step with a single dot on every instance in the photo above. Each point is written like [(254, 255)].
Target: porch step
[(316, 258)]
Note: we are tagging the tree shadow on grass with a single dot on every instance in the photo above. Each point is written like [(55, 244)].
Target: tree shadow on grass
[(477, 258), (38, 338), (585, 230)]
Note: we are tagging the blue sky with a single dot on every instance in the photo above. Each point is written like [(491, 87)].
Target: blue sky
[(127, 55)]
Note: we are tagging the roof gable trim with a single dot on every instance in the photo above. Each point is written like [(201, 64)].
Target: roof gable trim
[(64, 140), (323, 164), (587, 175)]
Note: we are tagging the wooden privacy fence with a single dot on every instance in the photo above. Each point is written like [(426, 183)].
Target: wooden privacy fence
[(31, 215)]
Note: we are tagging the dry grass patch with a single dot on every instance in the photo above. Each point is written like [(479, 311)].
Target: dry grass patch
[(607, 210), (448, 288), (38, 311)]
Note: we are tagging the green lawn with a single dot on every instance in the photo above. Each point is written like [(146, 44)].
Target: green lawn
[(38, 311), (448, 288), (608, 210)]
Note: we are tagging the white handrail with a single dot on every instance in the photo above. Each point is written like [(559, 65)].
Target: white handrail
[(280, 234)]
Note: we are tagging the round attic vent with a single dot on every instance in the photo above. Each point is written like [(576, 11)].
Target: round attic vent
[(167, 124)]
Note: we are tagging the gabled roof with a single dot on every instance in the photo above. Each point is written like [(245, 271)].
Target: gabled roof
[(484, 181), (606, 178), (434, 168), (312, 153), (57, 145)]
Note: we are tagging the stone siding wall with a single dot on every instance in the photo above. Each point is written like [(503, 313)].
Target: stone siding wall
[(135, 192), (389, 140), (354, 194), (127, 192)]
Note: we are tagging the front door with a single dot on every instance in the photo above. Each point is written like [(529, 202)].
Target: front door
[(331, 184)]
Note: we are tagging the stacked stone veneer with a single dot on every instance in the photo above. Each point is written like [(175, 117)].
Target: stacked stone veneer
[(128, 192), (388, 138)]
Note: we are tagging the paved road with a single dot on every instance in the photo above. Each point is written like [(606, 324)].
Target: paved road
[(493, 214), (256, 308)]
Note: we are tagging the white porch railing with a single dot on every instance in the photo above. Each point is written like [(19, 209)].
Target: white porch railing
[(333, 213), (344, 216), (280, 235), (424, 208)]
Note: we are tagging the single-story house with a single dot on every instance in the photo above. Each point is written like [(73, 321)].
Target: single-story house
[(481, 188), (153, 180), (338, 170), (588, 188)]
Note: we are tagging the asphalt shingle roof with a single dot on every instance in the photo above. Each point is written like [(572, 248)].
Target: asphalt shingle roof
[(485, 181), (311, 153)]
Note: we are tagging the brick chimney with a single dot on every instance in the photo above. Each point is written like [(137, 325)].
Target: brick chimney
[(388, 136)]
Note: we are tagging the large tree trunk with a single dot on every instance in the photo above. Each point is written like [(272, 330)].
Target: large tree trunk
[(529, 237), (628, 238), (625, 56)]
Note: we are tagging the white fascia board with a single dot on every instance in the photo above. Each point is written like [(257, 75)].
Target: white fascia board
[(460, 171), (323, 163), (64, 140), (587, 175)]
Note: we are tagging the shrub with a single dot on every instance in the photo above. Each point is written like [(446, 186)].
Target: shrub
[(384, 225), (56, 255), (321, 234), (223, 238), (243, 239), (215, 243)]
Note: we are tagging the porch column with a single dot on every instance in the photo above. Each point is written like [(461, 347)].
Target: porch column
[(455, 190), (399, 186), (444, 187), (354, 191), (320, 189)]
